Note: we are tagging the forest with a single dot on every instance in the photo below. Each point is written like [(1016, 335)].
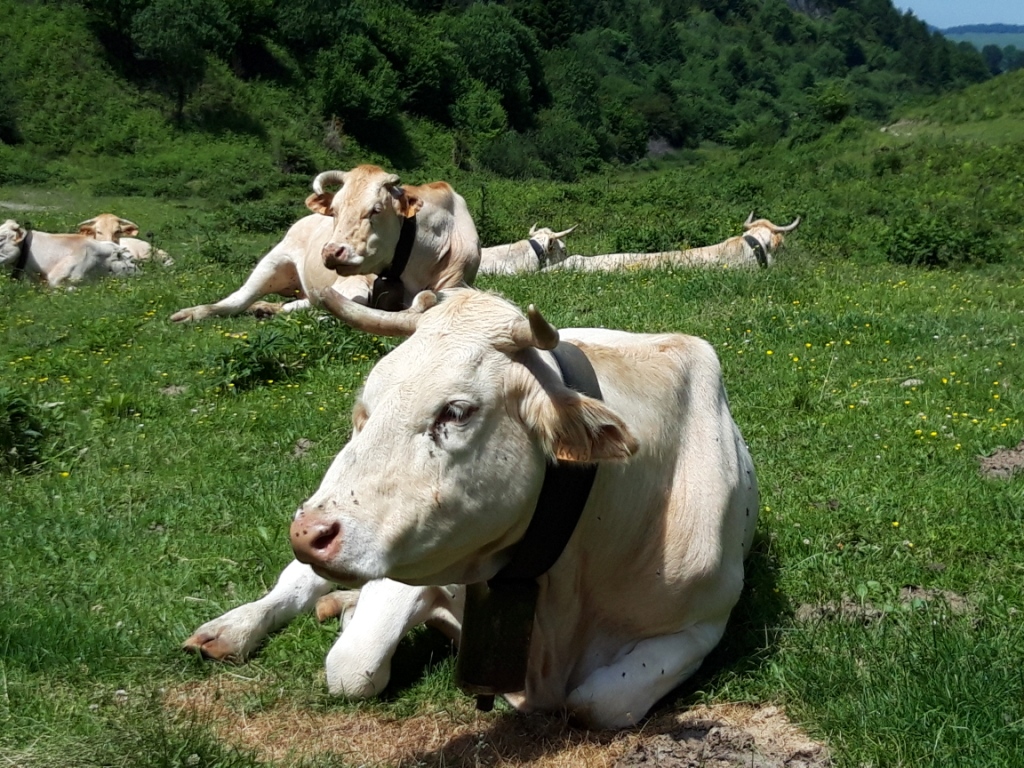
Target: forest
[(522, 89)]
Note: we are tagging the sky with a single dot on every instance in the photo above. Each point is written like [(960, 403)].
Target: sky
[(954, 13)]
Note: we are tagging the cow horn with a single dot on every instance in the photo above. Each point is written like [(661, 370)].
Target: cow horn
[(377, 321), (88, 222), (749, 221), (788, 227), (533, 229), (557, 235), (534, 331), (391, 180), (327, 177)]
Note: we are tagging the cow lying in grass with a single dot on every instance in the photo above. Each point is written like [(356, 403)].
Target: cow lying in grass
[(114, 229), (756, 247), (541, 249), (453, 435), (354, 235), (61, 259)]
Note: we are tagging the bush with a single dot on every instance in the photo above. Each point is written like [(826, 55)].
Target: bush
[(22, 433), (291, 346), (941, 238)]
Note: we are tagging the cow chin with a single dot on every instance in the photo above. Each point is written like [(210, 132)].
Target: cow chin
[(342, 578)]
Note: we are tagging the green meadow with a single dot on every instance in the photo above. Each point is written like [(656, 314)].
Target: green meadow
[(149, 470)]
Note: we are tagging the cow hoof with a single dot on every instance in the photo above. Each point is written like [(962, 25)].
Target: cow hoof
[(265, 309), (336, 604), (211, 647)]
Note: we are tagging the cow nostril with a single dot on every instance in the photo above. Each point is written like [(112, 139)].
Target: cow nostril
[(323, 541)]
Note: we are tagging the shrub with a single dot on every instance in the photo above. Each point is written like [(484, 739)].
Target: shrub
[(22, 433), (940, 238), (289, 347)]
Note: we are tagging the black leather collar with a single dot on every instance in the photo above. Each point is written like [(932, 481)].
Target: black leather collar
[(388, 290), (24, 247), (566, 487), (542, 255), (497, 622), (757, 248)]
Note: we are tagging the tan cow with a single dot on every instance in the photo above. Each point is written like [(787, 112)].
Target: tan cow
[(755, 247), (114, 229), (453, 435), (541, 249), (369, 211), (60, 259)]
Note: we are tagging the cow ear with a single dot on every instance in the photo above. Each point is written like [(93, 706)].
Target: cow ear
[(130, 231), (87, 229), (586, 430), (409, 205), (320, 202), (570, 426)]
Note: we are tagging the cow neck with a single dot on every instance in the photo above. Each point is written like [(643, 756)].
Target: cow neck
[(758, 248), (388, 290), (26, 246), (497, 623), (542, 256)]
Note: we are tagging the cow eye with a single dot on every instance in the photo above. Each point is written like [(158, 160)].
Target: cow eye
[(456, 413)]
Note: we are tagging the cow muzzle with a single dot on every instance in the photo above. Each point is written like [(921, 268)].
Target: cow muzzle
[(341, 258), (315, 541)]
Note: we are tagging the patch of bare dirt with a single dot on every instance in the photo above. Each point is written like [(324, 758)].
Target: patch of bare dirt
[(174, 390), (901, 127), (865, 612), (12, 206), (1004, 463), (302, 446), (726, 736)]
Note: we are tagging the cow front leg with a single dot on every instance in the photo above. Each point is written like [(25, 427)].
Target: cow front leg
[(275, 273), (359, 664), (620, 694), (236, 634)]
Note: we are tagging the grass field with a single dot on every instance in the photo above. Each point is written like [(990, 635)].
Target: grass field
[(168, 471)]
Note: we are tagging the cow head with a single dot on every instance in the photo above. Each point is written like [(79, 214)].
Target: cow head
[(769, 235), (368, 212), (451, 435), (551, 243), (11, 236), (108, 227)]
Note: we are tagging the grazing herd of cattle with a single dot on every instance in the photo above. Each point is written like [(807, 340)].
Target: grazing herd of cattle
[(460, 437)]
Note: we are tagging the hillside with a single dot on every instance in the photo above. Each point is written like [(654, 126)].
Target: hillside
[(521, 88)]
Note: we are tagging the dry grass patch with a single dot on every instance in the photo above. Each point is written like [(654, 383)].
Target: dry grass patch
[(460, 737)]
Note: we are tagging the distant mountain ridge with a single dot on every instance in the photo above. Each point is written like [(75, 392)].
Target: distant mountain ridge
[(990, 29)]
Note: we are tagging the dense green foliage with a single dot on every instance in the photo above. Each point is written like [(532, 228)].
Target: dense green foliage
[(525, 88)]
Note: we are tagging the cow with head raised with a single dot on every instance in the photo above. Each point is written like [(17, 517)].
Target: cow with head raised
[(541, 249), (111, 228), (756, 247), (453, 436), (60, 259), (353, 237)]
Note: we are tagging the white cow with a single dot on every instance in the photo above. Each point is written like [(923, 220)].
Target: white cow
[(353, 236), (451, 436), (541, 249), (112, 228), (755, 247), (60, 259)]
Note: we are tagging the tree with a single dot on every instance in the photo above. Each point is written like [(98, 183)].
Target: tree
[(176, 35), (993, 56)]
